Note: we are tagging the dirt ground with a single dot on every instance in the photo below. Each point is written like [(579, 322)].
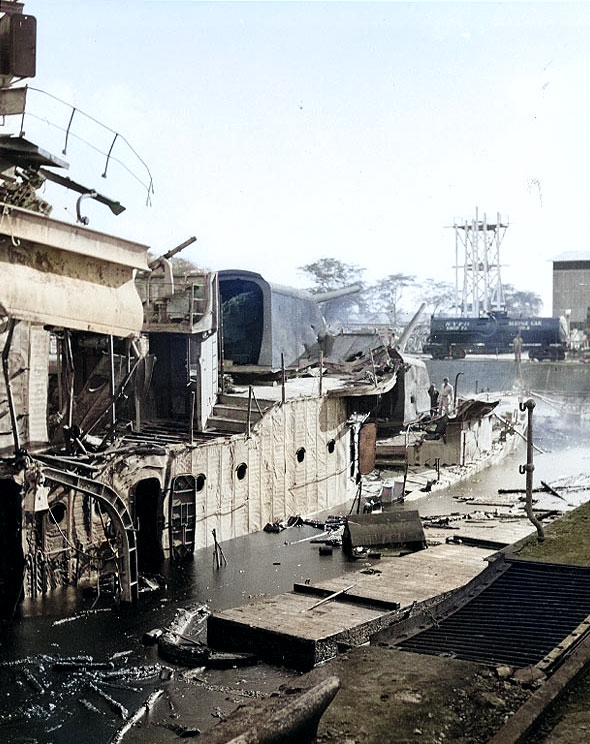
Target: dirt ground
[(388, 695)]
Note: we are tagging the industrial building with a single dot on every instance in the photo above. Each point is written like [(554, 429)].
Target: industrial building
[(571, 288)]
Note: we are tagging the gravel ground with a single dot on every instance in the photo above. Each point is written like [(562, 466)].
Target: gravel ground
[(388, 695)]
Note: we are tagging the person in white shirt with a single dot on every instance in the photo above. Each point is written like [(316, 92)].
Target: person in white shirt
[(445, 397)]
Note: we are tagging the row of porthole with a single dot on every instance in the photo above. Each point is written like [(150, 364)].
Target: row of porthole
[(58, 510), (242, 468)]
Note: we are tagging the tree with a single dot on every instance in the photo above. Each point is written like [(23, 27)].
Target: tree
[(438, 296), (385, 295), (329, 274), (522, 304)]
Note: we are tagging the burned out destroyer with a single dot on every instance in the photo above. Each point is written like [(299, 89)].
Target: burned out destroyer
[(120, 443)]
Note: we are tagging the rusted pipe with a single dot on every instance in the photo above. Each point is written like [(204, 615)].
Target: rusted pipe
[(529, 468)]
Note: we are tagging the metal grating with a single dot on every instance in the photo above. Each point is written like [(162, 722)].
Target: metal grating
[(522, 616)]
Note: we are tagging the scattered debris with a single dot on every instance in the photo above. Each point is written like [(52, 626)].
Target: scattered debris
[(137, 716), (178, 643), (218, 554), (393, 529), (119, 708)]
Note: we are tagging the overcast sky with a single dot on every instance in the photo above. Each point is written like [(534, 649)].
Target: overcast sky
[(279, 133)]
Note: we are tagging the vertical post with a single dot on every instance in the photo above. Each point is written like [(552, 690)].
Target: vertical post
[(457, 303), (374, 370), (59, 360), (455, 390), (192, 417), (71, 380), (282, 377), (321, 373), (249, 415), (475, 264), (528, 469), (112, 361), (8, 385), (486, 266), (137, 404), (221, 346)]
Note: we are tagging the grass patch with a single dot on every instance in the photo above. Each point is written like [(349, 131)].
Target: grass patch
[(567, 540)]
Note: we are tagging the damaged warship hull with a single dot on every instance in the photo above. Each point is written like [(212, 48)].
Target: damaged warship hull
[(119, 446)]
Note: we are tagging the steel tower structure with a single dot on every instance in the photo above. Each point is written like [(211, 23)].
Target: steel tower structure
[(482, 283)]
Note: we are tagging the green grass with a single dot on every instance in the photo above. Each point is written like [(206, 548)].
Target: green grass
[(567, 540)]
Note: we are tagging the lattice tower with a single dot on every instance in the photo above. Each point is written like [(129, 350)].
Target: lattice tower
[(482, 283)]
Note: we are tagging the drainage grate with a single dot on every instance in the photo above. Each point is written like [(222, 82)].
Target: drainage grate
[(524, 614)]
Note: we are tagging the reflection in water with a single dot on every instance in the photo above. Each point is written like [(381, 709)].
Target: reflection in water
[(41, 704)]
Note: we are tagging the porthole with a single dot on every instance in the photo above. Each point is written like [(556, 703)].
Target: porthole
[(300, 454), (200, 483), (331, 445), (57, 512), (241, 471)]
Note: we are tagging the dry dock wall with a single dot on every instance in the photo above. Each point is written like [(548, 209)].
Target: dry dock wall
[(501, 374)]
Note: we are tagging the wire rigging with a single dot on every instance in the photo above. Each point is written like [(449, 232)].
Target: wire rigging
[(75, 111)]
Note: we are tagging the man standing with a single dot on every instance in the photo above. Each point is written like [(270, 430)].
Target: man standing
[(517, 346), (446, 396), (433, 393)]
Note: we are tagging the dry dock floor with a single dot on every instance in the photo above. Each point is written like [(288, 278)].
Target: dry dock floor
[(305, 627)]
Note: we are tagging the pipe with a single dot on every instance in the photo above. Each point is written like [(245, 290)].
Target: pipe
[(112, 381), (172, 252), (335, 294), (191, 436), (528, 469), (455, 390)]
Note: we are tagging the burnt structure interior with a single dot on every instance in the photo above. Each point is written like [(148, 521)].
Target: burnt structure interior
[(171, 374), (243, 320), (149, 519), (11, 555)]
